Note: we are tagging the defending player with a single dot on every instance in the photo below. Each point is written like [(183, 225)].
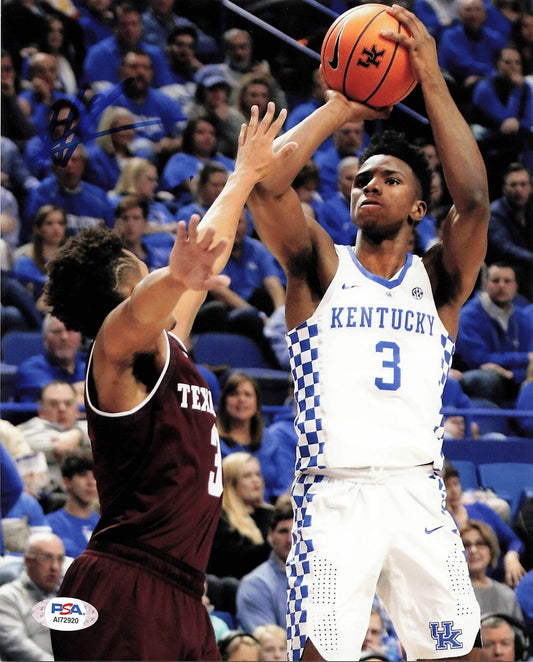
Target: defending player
[(370, 342), (152, 427)]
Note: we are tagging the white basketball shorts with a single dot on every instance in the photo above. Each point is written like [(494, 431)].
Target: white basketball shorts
[(381, 530)]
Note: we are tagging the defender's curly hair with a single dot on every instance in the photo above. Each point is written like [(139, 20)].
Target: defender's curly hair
[(395, 144), (85, 277)]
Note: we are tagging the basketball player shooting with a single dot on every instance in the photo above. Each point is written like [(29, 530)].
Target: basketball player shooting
[(371, 337), (152, 426)]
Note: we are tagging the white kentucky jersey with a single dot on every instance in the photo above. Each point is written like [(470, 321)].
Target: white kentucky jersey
[(369, 367)]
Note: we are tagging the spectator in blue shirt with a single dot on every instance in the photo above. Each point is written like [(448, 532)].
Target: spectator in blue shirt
[(495, 339), (336, 217), (61, 360), (103, 60), (262, 594), (75, 522)]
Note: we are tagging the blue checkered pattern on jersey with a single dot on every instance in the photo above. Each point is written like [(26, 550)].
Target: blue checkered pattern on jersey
[(448, 347), (303, 354), (298, 565)]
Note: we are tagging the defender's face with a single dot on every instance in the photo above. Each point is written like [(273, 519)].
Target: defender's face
[(384, 194)]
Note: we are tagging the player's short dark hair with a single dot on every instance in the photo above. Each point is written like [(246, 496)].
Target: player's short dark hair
[(84, 279), (76, 463), (396, 144)]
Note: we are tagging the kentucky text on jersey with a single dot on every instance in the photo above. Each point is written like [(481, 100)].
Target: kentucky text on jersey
[(196, 397), (381, 317)]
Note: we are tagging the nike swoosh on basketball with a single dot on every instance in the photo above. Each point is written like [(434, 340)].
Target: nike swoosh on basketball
[(334, 62), (433, 530)]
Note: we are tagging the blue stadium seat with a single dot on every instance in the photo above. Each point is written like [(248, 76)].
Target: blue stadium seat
[(509, 480), (17, 346), (233, 349)]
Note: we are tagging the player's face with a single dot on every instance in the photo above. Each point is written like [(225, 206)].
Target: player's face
[(501, 285), (498, 644), (281, 539), (59, 405), (385, 193), (273, 648), (477, 552), (82, 487), (249, 485), (45, 563), (53, 228)]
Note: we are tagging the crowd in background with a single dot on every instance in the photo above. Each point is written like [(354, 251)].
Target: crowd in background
[(128, 114)]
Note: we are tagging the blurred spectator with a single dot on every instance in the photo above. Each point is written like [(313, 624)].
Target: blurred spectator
[(509, 569), (254, 90), (207, 186), (160, 19), (57, 429), (219, 625), (524, 595), (495, 339), (183, 64), (238, 645), (61, 360), (113, 149), (96, 21), (436, 15), (139, 177), (275, 330), (30, 260), (522, 38), (349, 140), (74, 523), (25, 518), (503, 116), (239, 61), (198, 148), (212, 101), (18, 310), (499, 640), (373, 640), (9, 224), (336, 217), (524, 424), (21, 636), (15, 175), (240, 542), (262, 594), (482, 551), (306, 185), (104, 60), (131, 224), (273, 641), (160, 119), (54, 43), (16, 125), (510, 234), (467, 50), (85, 205)]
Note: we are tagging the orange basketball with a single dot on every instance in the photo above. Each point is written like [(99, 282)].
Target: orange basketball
[(360, 63)]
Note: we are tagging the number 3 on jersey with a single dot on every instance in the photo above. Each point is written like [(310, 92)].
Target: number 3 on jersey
[(391, 362), (214, 486)]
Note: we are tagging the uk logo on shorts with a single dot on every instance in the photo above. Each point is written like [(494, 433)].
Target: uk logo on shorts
[(445, 635), (65, 613)]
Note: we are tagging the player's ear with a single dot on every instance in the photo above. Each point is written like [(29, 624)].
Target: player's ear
[(418, 211)]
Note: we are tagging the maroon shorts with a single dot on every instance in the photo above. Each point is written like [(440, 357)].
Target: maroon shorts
[(147, 610)]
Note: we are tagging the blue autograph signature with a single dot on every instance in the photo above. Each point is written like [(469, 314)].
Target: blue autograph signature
[(62, 148)]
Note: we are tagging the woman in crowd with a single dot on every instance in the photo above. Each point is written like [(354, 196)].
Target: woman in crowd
[(49, 233), (482, 551), (240, 542), (254, 90), (273, 640), (198, 147)]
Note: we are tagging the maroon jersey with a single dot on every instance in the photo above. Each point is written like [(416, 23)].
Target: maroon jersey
[(158, 466)]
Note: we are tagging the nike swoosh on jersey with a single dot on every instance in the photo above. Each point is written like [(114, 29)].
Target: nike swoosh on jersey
[(334, 62), (428, 531), (347, 286)]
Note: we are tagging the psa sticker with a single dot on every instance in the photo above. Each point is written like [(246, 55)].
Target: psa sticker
[(65, 613)]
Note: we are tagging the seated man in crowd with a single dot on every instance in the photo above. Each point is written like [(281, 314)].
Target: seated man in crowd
[(74, 523), (495, 339), (61, 360), (21, 636), (262, 594)]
